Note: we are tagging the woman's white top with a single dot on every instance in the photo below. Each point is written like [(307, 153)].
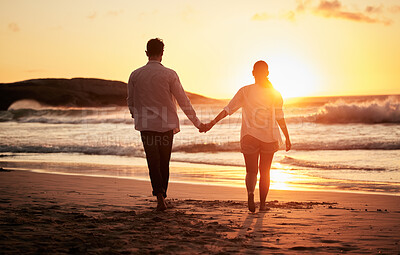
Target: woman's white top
[(261, 107)]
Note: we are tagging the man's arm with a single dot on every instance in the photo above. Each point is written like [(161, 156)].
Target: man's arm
[(184, 102), (129, 99)]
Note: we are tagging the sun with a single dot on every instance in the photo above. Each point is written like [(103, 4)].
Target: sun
[(292, 77)]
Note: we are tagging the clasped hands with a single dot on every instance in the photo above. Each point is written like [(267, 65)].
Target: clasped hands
[(205, 127)]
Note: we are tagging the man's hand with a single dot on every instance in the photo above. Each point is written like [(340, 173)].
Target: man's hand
[(288, 145), (205, 127)]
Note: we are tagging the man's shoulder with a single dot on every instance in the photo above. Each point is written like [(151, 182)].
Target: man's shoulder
[(139, 69), (159, 67), (169, 70), (134, 73)]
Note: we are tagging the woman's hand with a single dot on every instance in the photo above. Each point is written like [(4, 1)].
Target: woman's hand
[(209, 125), (288, 145), (206, 127)]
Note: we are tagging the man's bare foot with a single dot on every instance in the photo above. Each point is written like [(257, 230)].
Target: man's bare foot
[(161, 205), (250, 202)]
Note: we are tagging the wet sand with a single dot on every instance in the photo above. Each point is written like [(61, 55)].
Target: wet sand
[(51, 213)]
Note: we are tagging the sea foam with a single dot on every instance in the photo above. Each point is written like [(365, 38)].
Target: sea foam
[(371, 112)]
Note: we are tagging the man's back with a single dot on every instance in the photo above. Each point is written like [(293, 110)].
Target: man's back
[(152, 90)]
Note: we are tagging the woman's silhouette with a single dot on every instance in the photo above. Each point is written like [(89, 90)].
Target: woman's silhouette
[(260, 137)]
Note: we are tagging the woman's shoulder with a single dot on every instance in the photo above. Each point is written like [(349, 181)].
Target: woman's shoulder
[(255, 88), (245, 89), (276, 92), (247, 86)]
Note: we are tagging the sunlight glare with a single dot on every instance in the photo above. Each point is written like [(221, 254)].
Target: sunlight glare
[(292, 77), (280, 178)]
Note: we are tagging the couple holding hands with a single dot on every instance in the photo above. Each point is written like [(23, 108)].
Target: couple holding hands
[(152, 91)]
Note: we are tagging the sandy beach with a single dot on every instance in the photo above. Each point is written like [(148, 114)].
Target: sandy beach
[(50, 213)]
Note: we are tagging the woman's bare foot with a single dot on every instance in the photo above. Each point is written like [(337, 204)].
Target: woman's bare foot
[(250, 202), (161, 205), (263, 208)]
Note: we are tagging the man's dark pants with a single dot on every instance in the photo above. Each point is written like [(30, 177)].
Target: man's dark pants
[(158, 147)]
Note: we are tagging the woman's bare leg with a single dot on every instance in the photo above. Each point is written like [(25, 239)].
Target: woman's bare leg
[(251, 161), (265, 166)]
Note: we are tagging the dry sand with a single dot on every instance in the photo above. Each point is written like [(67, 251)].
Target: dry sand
[(49, 213)]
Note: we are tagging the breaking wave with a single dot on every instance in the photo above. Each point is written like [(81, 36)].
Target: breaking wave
[(137, 151), (338, 112), (371, 112), (348, 145), (66, 116), (326, 166), (318, 146), (88, 150), (208, 147)]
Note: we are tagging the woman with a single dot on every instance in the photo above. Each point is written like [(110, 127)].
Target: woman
[(260, 137)]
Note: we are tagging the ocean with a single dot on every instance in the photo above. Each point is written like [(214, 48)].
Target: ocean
[(346, 144)]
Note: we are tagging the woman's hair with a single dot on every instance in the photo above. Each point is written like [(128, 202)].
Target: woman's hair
[(260, 69), (155, 47)]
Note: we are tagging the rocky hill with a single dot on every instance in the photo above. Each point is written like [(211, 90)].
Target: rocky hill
[(79, 92)]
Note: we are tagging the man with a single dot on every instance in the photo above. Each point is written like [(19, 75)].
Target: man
[(152, 91)]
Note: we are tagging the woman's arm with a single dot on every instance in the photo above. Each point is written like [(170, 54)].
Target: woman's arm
[(219, 117), (282, 125), (233, 106)]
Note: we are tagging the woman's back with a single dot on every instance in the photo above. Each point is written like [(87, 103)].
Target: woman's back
[(261, 106)]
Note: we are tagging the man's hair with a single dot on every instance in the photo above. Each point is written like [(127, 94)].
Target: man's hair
[(154, 47), (260, 68)]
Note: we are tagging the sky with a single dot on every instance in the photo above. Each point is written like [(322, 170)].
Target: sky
[(312, 47)]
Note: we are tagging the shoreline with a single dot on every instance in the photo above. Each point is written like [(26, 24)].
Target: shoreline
[(180, 190), (308, 194), (50, 213), (291, 187)]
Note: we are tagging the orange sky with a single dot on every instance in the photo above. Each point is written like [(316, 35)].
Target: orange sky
[(313, 47)]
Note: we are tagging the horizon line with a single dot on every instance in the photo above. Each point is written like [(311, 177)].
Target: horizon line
[(288, 98)]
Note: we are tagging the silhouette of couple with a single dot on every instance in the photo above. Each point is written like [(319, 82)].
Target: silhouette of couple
[(152, 91)]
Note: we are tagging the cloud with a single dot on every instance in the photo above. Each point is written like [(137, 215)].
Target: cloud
[(111, 13), (261, 16), (333, 6), (92, 16), (290, 15), (374, 9), (332, 9), (114, 13), (395, 9), (302, 6), (13, 27), (188, 14)]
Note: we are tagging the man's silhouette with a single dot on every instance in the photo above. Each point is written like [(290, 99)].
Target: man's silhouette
[(152, 91)]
